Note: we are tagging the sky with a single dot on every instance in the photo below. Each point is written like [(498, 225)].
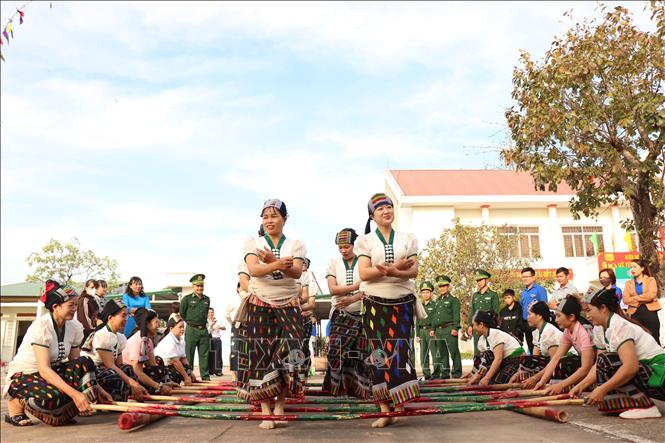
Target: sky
[(153, 132)]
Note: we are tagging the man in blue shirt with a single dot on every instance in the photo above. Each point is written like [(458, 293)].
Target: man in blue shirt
[(531, 293)]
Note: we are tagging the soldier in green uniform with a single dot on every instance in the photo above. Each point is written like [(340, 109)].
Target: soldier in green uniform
[(194, 310), (484, 299), (424, 331), (447, 325)]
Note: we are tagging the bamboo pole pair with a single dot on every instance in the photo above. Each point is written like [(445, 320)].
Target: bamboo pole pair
[(551, 415)]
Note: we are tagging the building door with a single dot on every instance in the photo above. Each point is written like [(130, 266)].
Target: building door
[(23, 326)]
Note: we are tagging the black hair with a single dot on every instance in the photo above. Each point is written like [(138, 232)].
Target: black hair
[(172, 323), (541, 308), (528, 269), (143, 316), (94, 282), (642, 264), (610, 272), (133, 280), (508, 292), (564, 270), (607, 297), (488, 318), (102, 284), (111, 308), (572, 306)]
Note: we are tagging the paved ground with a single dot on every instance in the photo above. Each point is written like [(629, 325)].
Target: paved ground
[(585, 425)]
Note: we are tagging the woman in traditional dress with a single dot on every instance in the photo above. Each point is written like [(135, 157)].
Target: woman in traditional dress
[(140, 353), (546, 339), (171, 350), (499, 352), (387, 266), (48, 377), (104, 346), (239, 348), (631, 371), (578, 334), (307, 305), (274, 326), (347, 373)]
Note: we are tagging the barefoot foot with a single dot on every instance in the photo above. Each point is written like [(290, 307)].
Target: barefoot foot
[(382, 422), (267, 424)]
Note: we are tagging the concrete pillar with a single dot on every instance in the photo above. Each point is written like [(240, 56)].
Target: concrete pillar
[(618, 242), (485, 214)]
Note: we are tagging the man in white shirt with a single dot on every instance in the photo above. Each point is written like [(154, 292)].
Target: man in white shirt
[(565, 289), (215, 357)]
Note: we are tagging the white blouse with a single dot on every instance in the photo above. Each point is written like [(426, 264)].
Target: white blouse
[(105, 340), (275, 287), (619, 330), (42, 333), (170, 348), (497, 337), (546, 338), (380, 251), (345, 275)]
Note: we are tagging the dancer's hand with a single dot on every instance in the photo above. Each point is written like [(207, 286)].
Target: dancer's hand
[(484, 381), (284, 264), (103, 396), (577, 390), (404, 264), (138, 391), (596, 396), (266, 255), (82, 403), (383, 269), (529, 383), (165, 390), (555, 389)]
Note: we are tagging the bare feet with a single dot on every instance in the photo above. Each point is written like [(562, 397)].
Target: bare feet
[(267, 424), (279, 410), (383, 422)]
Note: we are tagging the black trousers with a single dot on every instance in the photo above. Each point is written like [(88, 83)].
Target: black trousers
[(528, 331), (648, 319), (216, 362)]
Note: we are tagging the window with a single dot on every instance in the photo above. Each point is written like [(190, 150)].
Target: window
[(527, 240), (577, 240)]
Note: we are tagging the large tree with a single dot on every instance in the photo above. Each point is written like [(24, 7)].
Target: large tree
[(69, 264), (591, 114), (461, 249)]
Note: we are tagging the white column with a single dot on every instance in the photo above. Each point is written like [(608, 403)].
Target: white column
[(485, 214), (617, 237), (551, 241)]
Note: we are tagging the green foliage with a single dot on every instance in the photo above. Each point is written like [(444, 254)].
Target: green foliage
[(460, 250), (592, 114), (69, 264)]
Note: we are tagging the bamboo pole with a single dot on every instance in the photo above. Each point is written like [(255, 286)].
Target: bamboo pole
[(294, 417)]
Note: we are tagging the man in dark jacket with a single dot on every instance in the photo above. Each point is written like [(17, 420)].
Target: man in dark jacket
[(510, 317)]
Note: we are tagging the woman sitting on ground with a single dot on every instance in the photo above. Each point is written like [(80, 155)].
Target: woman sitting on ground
[(577, 334), (140, 353), (499, 352), (546, 339), (631, 371), (48, 377), (104, 346), (171, 350)]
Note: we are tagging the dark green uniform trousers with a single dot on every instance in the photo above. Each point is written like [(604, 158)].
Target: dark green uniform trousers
[(198, 339), (427, 347), (447, 348)]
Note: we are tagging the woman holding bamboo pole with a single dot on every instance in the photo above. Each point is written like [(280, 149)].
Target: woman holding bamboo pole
[(387, 266), (631, 371), (48, 377), (578, 334), (140, 353), (171, 349), (104, 346), (274, 325), (499, 352), (546, 339)]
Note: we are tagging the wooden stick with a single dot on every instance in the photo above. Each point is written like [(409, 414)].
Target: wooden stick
[(545, 413)]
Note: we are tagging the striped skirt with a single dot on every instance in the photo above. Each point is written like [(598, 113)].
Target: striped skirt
[(530, 365), (509, 366), (388, 324), (274, 336), (347, 372), (48, 403), (240, 354), (307, 326), (111, 382), (633, 395)]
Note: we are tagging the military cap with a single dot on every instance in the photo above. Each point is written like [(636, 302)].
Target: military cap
[(426, 286), (481, 274), (442, 280), (197, 279)]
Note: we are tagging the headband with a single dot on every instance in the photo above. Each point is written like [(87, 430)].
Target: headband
[(377, 200)]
